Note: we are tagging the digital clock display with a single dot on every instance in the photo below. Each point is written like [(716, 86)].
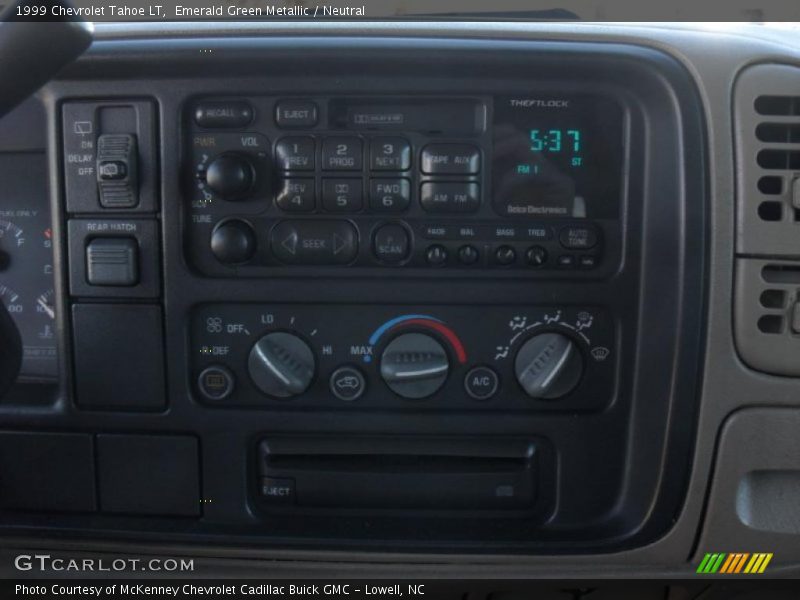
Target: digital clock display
[(557, 157)]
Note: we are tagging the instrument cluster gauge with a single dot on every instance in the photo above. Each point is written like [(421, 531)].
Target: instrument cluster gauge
[(26, 284)]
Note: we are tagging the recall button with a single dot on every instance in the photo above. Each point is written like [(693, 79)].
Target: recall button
[(219, 115), (278, 490), (314, 242), (578, 238)]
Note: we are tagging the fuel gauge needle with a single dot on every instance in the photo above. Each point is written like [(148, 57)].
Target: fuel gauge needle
[(48, 309)]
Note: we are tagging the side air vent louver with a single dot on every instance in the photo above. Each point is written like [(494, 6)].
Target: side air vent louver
[(767, 302), (768, 159)]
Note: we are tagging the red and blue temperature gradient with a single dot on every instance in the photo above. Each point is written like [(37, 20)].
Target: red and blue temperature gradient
[(423, 322)]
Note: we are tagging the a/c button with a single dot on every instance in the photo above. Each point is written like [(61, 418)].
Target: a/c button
[(481, 383)]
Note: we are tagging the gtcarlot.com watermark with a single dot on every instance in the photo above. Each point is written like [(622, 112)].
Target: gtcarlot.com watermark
[(49, 563)]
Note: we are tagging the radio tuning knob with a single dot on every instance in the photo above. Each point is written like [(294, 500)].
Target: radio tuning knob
[(414, 365), (281, 365), (548, 366), (231, 176), (233, 242)]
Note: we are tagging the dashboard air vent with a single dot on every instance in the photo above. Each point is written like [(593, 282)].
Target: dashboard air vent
[(767, 131), (767, 134)]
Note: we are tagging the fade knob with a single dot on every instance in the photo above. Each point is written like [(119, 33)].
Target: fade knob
[(548, 366)]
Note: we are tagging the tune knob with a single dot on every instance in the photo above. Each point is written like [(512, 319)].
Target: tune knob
[(548, 366), (414, 365), (281, 365), (233, 242), (231, 176)]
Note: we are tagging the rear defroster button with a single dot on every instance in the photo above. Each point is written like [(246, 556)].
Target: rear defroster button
[(215, 383), (314, 242)]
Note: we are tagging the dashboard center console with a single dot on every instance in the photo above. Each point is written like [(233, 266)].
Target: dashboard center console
[(411, 306)]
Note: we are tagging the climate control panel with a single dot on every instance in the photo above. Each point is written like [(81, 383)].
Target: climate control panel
[(403, 358)]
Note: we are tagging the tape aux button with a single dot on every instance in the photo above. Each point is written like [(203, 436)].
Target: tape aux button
[(451, 159)]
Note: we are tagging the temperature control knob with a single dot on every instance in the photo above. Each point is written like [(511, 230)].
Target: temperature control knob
[(414, 365), (231, 176), (548, 366), (281, 365)]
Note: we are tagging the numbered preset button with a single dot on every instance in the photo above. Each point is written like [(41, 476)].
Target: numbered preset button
[(389, 154), (342, 154), (296, 195), (342, 195), (295, 154), (389, 195)]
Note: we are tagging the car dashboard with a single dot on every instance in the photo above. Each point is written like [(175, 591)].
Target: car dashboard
[(498, 298)]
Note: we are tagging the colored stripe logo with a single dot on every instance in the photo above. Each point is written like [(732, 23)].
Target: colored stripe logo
[(734, 563)]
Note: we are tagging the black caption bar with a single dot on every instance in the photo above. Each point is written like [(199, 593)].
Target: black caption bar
[(358, 589), (501, 10)]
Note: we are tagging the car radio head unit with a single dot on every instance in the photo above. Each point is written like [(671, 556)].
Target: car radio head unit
[(480, 186)]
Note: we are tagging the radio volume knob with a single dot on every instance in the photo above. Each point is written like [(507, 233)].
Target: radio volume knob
[(281, 365), (548, 366), (231, 176)]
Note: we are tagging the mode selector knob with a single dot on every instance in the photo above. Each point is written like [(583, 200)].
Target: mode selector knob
[(281, 365), (414, 365), (548, 366), (231, 176)]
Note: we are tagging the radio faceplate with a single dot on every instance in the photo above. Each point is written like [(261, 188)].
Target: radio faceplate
[(466, 185)]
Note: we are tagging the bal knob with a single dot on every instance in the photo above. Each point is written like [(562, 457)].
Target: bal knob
[(548, 366), (281, 365)]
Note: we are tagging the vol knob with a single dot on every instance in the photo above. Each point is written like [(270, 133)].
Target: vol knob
[(548, 366), (281, 365), (231, 176), (414, 365)]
